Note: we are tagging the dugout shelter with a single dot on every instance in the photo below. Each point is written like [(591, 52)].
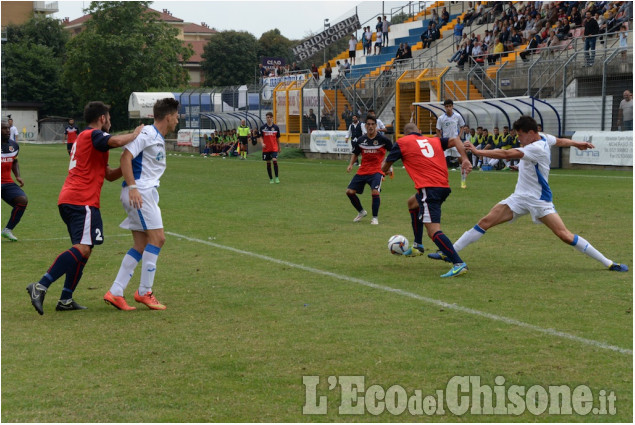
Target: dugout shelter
[(491, 113)]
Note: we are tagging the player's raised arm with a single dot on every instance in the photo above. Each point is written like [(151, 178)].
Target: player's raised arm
[(466, 165), (494, 153), (124, 139), (567, 143)]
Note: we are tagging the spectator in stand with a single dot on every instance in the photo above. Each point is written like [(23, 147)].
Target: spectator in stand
[(461, 49), (458, 32), (364, 40), (499, 49), (434, 18), (468, 13), (575, 18), (328, 72), (623, 40), (347, 67), (315, 71), (352, 48), (445, 16), (429, 36), (563, 28), (347, 116), (591, 30), (400, 53), (516, 40), (477, 52), (530, 28), (378, 41), (625, 112), (408, 51), (480, 8), (487, 38), (369, 40), (465, 56), (385, 25), (311, 121), (531, 48)]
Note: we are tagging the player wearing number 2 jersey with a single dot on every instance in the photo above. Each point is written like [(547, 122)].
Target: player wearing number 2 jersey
[(78, 204), (424, 160)]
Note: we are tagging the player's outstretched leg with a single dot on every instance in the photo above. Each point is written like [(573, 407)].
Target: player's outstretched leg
[(555, 223)]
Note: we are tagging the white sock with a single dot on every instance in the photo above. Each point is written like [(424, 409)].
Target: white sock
[(148, 268), (469, 237), (128, 265), (585, 247)]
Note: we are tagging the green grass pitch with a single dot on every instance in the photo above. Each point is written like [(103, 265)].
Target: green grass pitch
[(266, 284)]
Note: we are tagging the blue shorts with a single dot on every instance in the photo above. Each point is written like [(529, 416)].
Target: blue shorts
[(359, 181), (10, 191), (83, 223), (430, 200), (268, 156)]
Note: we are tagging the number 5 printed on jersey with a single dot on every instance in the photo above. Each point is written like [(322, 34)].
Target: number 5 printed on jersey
[(426, 148)]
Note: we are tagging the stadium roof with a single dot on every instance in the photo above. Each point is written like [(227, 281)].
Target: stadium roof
[(501, 112)]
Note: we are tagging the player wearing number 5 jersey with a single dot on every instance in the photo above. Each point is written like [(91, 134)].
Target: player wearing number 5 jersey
[(78, 204), (424, 160)]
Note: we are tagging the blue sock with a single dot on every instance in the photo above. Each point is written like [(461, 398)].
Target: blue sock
[(375, 206), (446, 247), (417, 226), (65, 262)]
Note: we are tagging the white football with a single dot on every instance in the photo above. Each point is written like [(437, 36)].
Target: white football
[(398, 244)]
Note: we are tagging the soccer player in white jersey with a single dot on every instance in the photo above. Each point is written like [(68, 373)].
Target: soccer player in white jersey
[(142, 165), (450, 125), (532, 194)]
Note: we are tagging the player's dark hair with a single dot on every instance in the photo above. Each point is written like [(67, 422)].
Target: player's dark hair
[(165, 107), (269, 114), (372, 118), (94, 110), (448, 102), (526, 124)]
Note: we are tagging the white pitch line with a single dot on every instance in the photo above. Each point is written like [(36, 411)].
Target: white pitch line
[(66, 238), (467, 310)]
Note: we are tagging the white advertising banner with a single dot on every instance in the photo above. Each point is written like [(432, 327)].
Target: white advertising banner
[(611, 148), (294, 102), (330, 142)]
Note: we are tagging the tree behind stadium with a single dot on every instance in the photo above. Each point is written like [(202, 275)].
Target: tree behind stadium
[(33, 58), (124, 48)]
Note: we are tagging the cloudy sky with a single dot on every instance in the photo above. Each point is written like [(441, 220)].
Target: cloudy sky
[(295, 19)]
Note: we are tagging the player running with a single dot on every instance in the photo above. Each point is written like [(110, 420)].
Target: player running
[(12, 194), (424, 160), (532, 194), (372, 147)]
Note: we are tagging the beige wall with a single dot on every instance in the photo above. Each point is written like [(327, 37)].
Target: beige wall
[(16, 12)]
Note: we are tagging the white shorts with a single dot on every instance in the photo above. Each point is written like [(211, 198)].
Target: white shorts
[(521, 205), (146, 218)]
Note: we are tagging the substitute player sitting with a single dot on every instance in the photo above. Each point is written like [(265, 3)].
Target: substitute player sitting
[(532, 194), (372, 147)]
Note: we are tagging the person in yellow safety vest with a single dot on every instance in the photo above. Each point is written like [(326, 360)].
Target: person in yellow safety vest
[(243, 134), (476, 140), (498, 141), (484, 140)]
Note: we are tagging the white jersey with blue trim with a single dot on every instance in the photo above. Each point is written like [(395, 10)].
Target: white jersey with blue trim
[(148, 153), (533, 169)]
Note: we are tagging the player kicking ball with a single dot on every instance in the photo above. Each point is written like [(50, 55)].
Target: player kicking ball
[(532, 194), (142, 165)]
